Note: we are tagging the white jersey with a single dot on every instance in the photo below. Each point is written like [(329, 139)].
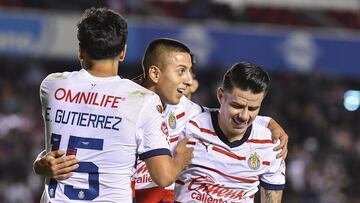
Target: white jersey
[(106, 122), (228, 172), (176, 117)]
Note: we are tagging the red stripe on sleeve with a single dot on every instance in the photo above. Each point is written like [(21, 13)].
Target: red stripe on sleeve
[(204, 130), (174, 139), (180, 115), (260, 141), (191, 142)]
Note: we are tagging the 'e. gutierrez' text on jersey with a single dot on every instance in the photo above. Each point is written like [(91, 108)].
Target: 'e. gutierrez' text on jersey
[(105, 122), (223, 171), (176, 117)]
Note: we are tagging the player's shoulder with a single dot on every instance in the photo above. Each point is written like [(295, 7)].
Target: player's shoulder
[(260, 132), (60, 75), (202, 120), (137, 91), (189, 107), (203, 116), (57, 77)]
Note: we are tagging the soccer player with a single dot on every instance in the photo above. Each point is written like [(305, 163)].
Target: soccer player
[(104, 120), (232, 154), (176, 115), (163, 68)]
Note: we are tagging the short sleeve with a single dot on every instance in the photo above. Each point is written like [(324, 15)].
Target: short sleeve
[(262, 120), (274, 179), (152, 133), (192, 109), (44, 90)]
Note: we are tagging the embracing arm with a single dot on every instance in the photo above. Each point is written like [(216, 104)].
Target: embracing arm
[(164, 169), (270, 196), (277, 132), (55, 165)]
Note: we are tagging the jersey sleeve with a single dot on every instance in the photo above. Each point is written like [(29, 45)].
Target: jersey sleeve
[(262, 120), (44, 90), (274, 179), (192, 109), (152, 131)]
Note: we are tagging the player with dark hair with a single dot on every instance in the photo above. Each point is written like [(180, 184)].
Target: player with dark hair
[(104, 120), (233, 154), (161, 77), (169, 76)]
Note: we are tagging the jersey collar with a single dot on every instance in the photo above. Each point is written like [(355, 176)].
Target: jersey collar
[(221, 135)]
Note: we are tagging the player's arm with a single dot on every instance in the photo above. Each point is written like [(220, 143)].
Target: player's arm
[(277, 132), (55, 165), (153, 146), (164, 169), (270, 196)]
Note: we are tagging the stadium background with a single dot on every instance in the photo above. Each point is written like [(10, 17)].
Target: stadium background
[(310, 49)]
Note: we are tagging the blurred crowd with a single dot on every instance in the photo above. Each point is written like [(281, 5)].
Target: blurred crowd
[(324, 149), (229, 10)]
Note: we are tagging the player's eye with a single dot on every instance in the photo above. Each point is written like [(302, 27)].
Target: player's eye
[(253, 108), (181, 71)]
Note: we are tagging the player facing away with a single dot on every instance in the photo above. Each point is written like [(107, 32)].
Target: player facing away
[(233, 155), (104, 120)]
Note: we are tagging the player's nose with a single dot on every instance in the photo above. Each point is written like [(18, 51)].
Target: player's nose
[(188, 79)]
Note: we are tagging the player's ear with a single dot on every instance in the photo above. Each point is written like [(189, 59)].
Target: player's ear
[(123, 53), (220, 95), (81, 53), (194, 86), (154, 73)]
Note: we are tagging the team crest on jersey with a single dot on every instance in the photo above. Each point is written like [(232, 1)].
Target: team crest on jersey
[(172, 120), (160, 108), (164, 128), (254, 161)]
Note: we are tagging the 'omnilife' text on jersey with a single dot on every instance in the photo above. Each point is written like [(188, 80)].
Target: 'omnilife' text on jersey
[(90, 98)]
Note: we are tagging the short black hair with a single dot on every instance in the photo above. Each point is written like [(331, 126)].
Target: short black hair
[(158, 47), (246, 76), (194, 65), (102, 33)]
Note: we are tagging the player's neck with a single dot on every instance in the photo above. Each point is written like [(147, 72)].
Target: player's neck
[(230, 136), (103, 68), (149, 85)]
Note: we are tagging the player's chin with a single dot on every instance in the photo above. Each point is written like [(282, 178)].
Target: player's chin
[(174, 101), (239, 130)]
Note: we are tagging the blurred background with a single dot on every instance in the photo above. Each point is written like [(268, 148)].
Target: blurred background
[(310, 48)]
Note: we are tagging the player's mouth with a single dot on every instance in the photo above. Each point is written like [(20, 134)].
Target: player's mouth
[(239, 123), (180, 90)]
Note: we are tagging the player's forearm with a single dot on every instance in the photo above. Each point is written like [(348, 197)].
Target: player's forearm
[(36, 164), (270, 196), (164, 170)]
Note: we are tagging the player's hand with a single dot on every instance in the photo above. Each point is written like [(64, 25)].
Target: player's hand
[(278, 133), (55, 165), (183, 154)]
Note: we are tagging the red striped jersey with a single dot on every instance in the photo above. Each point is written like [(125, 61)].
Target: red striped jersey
[(223, 171), (176, 118)]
